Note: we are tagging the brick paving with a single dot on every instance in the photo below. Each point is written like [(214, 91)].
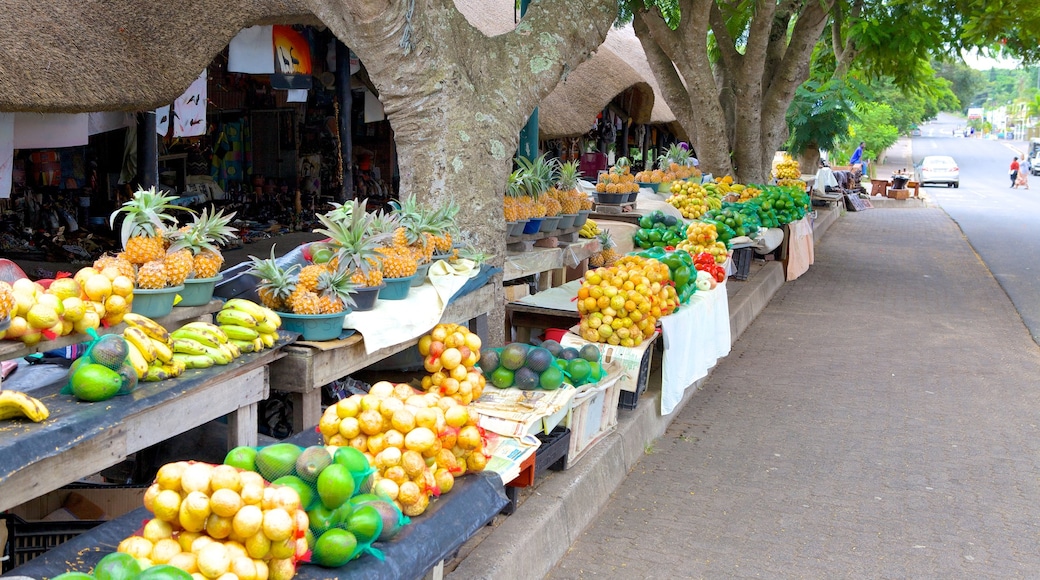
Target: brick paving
[(877, 420)]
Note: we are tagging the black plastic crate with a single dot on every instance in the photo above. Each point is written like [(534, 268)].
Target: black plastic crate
[(742, 263), (630, 399), (551, 454), (27, 540)]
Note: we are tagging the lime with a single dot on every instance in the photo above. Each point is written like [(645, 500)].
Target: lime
[(365, 523), (502, 378), (94, 382), (335, 485), (334, 548), (242, 457), (551, 378), (164, 572), (117, 566), (579, 369)]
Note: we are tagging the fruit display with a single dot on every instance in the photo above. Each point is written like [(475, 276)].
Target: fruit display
[(706, 263), (398, 258), (127, 567), (787, 168), (103, 371), (566, 190), (546, 366), (450, 354), (249, 326), (52, 308), (315, 289), (525, 193), (618, 179), (195, 248), (680, 269), (692, 199), (671, 166), (334, 485), (150, 349), (144, 234), (702, 237), (620, 305), (418, 443), (353, 241), (658, 230), (739, 219), (589, 230), (607, 254), (778, 205), (15, 404), (200, 345), (215, 521), (749, 192)]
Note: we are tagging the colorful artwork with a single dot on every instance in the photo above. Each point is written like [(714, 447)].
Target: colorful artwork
[(292, 53)]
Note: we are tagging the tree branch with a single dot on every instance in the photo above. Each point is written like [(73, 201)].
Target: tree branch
[(723, 39)]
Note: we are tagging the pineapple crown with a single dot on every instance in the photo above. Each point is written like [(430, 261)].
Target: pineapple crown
[(569, 173), (470, 252), (337, 284), (205, 233), (540, 175), (410, 215), (387, 223), (354, 237), (279, 281), (605, 240), (442, 219), (146, 214), (675, 154), (515, 186)]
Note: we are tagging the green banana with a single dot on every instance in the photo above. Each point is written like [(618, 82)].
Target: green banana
[(232, 317), (218, 355), (194, 361), (243, 345), (209, 327), (188, 346), (239, 332), (202, 337)]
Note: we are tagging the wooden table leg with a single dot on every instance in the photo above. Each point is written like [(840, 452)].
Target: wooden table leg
[(242, 426), (306, 409)]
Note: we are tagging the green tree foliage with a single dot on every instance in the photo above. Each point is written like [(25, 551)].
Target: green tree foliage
[(875, 126), (965, 82)]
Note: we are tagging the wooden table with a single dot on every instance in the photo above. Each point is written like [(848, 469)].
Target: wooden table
[(80, 439), (306, 369), (550, 264)]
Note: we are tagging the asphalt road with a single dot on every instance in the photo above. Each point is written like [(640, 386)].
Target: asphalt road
[(1002, 224)]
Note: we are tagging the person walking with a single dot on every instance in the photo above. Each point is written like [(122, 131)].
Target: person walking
[(1023, 174), (1014, 171), (857, 159)]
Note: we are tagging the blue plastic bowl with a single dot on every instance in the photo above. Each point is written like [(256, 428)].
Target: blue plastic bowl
[(199, 291), (533, 225), (316, 327), (396, 288)]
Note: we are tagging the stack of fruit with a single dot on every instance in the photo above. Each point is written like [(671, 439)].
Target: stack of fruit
[(692, 199), (780, 205), (144, 238), (547, 366), (657, 230), (342, 522), (607, 255), (680, 269), (671, 166), (200, 345), (450, 353), (528, 185), (215, 520), (566, 190), (788, 173), (706, 263), (417, 442), (703, 238), (249, 326), (195, 249), (150, 349), (739, 219), (104, 371), (124, 566), (620, 305), (748, 193), (65, 305), (397, 257), (589, 230), (618, 179), (316, 289), (353, 244)]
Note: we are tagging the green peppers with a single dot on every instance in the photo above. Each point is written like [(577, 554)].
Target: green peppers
[(680, 268)]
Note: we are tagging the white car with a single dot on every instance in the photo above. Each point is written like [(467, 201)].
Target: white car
[(938, 169)]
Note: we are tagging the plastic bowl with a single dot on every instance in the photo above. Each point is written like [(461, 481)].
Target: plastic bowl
[(549, 224), (420, 274), (396, 288), (199, 291), (566, 221), (365, 297), (516, 228), (154, 303), (583, 216), (533, 225), (612, 197), (316, 327)]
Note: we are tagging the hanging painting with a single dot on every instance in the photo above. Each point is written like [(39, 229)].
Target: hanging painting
[(292, 59)]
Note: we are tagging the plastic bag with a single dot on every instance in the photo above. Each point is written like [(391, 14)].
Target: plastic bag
[(103, 371)]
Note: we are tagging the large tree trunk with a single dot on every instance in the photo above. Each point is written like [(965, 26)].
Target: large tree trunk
[(735, 108)]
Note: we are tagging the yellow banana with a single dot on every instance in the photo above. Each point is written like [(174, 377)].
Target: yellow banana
[(244, 345), (232, 317), (247, 306), (137, 360), (194, 361), (16, 404), (258, 344), (150, 327), (188, 346), (208, 327), (272, 317), (138, 338), (269, 339), (177, 365), (239, 332), (199, 336), (218, 355), (163, 352), (155, 373), (267, 326), (229, 351)]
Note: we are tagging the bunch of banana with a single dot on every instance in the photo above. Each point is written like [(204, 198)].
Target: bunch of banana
[(15, 404), (200, 345), (589, 229), (248, 325), (150, 349)]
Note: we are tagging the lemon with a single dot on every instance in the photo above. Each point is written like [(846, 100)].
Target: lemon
[(283, 548), (225, 502), (456, 416), (396, 474), (408, 493), (262, 572), (156, 530), (350, 428), (348, 407), (169, 475), (419, 439), (235, 549), (412, 462), (281, 569), (218, 527), (225, 477), (187, 540), (278, 525), (243, 567), (403, 421), (149, 494), (213, 560), (445, 480), (258, 546), (200, 542), (389, 406), (393, 438), (196, 477), (164, 550), (136, 546), (185, 561), (329, 424), (166, 505), (388, 488), (252, 493), (248, 521)]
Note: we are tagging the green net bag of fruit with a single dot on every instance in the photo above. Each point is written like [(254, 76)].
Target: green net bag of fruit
[(103, 371)]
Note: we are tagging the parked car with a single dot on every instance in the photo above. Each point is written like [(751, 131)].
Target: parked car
[(938, 169)]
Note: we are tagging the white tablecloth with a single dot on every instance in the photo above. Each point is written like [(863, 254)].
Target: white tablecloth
[(800, 250), (695, 338)]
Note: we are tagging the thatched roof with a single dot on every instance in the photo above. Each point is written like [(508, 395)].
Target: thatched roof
[(623, 42), (130, 55)]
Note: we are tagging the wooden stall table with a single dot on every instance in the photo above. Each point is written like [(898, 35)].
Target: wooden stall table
[(307, 368), (549, 264), (80, 439)]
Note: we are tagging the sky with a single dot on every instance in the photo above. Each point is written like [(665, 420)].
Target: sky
[(979, 62)]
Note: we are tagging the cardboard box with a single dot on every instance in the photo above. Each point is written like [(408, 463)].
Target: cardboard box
[(516, 292), (899, 194)]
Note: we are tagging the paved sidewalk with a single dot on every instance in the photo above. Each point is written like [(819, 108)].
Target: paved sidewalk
[(877, 420)]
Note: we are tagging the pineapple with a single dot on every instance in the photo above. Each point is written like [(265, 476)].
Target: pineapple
[(304, 301), (334, 291), (397, 262), (413, 231), (308, 278), (276, 284), (608, 254), (203, 238), (442, 225), (514, 190), (143, 226), (179, 265), (570, 197), (118, 262), (355, 243), (6, 300), (152, 275)]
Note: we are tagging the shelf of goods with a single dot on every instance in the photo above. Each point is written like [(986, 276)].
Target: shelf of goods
[(12, 349), (549, 263), (307, 368), (79, 439)]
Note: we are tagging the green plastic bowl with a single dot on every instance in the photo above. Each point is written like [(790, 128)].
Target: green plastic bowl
[(316, 327), (199, 291), (154, 303), (396, 288)]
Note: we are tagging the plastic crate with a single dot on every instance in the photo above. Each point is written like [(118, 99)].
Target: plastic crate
[(27, 540), (630, 399), (552, 454), (592, 416), (742, 263)]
